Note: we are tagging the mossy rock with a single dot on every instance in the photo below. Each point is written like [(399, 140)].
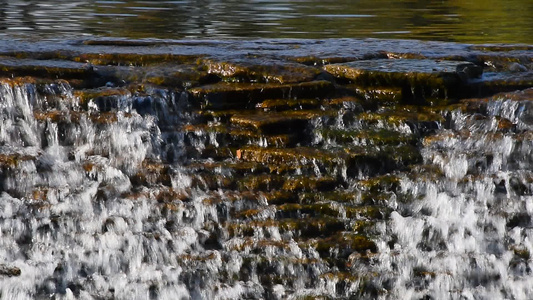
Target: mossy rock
[(152, 173), (401, 115), (105, 98), (12, 161), (234, 167), (296, 210), (226, 136), (381, 183), (357, 160), (166, 75), (419, 79), (277, 197), (275, 122), (288, 104), (501, 48), (213, 181), (338, 196), (134, 59), (263, 182), (241, 95), (375, 96), (398, 72), (306, 183), (492, 83), (353, 103), (345, 242), (61, 116), (480, 105), (51, 69), (370, 212), (367, 137), (304, 227), (257, 69), (293, 157), (381, 160), (10, 271)]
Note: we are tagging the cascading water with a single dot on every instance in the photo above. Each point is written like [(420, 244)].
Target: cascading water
[(467, 229), (217, 189)]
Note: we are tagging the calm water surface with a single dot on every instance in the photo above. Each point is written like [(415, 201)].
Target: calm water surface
[(472, 21)]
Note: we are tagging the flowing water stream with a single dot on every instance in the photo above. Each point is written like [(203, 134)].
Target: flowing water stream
[(135, 191)]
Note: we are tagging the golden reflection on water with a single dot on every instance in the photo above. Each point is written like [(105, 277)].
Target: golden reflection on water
[(474, 21)]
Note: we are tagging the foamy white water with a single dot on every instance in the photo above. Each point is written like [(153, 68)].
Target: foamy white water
[(78, 226)]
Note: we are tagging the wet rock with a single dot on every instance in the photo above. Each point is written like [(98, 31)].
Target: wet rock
[(10, 271), (225, 96), (367, 137), (282, 122), (345, 243), (48, 69), (378, 96), (257, 69), (133, 59), (226, 136), (419, 79), (492, 82), (286, 104), (105, 99)]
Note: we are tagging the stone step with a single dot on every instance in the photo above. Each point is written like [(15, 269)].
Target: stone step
[(254, 69), (246, 95), (105, 99), (353, 160), (304, 227), (422, 81), (333, 209), (288, 104), (276, 122), (74, 117), (76, 73), (378, 137), (340, 245), (152, 173), (227, 136)]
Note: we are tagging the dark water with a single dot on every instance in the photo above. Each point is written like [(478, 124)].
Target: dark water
[(472, 21)]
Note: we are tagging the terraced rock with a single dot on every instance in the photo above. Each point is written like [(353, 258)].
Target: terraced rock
[(244, 169)]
